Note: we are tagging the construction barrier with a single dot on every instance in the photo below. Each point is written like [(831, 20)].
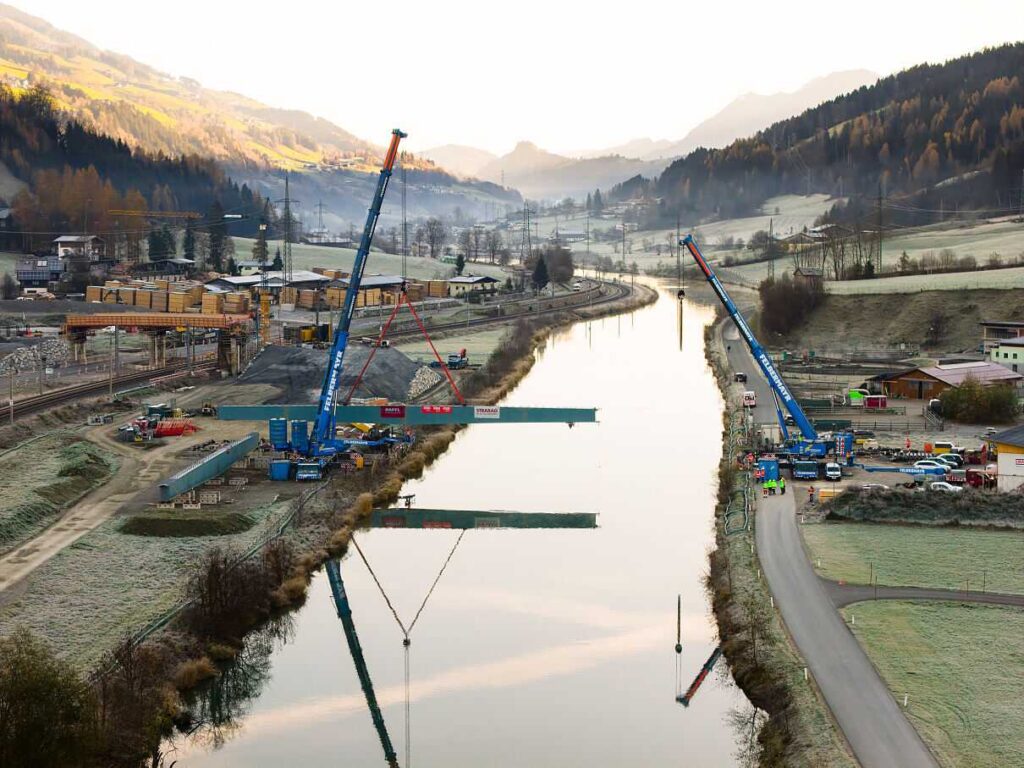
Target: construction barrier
[(207, 468)]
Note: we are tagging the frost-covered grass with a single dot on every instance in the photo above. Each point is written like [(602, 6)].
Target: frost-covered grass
[(919, 556), (108, 584), (960, 667), (41, 478)]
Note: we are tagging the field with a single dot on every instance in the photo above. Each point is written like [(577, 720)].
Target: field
[(109, 583), (309, 256), (478, 345), (919, 556), (980, 241), (788, 212), (960, 667), (39, 479)]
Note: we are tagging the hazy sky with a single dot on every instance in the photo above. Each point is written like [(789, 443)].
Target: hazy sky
[(567, 75)]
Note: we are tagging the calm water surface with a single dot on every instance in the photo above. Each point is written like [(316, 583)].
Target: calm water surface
[(538, 647)]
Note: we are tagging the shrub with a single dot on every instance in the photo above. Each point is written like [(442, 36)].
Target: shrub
[(194, 671), (974, 403), (786, 303), (47, 714)]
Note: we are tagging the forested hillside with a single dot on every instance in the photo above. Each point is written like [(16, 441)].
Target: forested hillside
[(76, 178), (943, 136)]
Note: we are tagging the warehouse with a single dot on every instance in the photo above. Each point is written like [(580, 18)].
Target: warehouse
[(928, 382), (472, 284), (1009, 444)]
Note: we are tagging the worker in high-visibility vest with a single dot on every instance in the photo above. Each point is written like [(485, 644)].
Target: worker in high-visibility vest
[(782, 485)]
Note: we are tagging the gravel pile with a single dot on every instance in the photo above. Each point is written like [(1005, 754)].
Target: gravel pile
[(424, 379), (298, 373), (54, 352)]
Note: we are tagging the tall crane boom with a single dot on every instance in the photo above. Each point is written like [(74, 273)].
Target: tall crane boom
[(775, 380), (322, 442)]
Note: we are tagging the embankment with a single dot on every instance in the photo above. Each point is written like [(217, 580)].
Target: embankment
[(798, 732)]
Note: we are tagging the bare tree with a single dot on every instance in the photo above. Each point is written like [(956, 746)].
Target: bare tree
[(437, 235), (493, 244)]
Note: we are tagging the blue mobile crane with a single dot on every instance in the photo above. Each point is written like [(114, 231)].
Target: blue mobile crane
[(809, 443), (323, 444)]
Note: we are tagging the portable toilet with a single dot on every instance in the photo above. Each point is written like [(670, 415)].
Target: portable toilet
[(279, 434), (300, 435)]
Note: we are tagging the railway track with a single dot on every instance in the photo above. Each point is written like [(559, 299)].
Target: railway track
[(620, 291), (67, 394)]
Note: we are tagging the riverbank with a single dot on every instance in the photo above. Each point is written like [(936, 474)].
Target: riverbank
[(798, 730), (277, 574)]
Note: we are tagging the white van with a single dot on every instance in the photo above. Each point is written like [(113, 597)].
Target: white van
[(833, 472), (749, 399)]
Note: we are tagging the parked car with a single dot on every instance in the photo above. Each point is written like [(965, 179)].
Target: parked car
[(740, 377), (833, 471), (944, 487), (577, 286), (874, 487), (942, 447), (931, 464), (953, 459)]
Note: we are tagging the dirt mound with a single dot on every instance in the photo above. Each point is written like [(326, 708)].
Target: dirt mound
[(298, 373)]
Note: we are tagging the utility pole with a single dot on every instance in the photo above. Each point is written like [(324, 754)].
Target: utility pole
[(405, 226), (878, 257), (771, 249), (679, 264), (286, 252), (12, 394), (113, 363), (1020, 211), (588, 236)]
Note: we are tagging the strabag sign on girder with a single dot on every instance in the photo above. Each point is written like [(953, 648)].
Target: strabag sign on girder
[(486, 411)]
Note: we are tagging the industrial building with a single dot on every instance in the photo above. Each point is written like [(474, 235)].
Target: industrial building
[(464, 284), (928, 382), (994, 331), (1008, 353), (1009, 444)]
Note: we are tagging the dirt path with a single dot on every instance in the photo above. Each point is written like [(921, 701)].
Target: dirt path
[(134, 483)]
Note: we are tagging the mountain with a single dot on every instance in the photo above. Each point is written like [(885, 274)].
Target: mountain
[(458, 158), (749, 113), (537, 173), (934, 136), (122, 98), (650, 149)]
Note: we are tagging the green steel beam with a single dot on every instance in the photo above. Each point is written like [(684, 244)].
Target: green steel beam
[(400, 517), (414, 415)]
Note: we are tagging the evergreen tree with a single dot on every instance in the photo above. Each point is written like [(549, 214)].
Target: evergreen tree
[(540, 274), (259, 248), (590, 202), (188, 241), (218, 235), (460, 263), (278, 264), (232, 267), (598, 202)]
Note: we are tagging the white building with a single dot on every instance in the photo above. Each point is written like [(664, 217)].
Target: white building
[(77, 245), (1009, 353)]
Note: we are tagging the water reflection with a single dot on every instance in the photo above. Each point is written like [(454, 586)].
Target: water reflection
[(540, 647), (217, 707)]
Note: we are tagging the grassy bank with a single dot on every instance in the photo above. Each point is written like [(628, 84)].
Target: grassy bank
[(960, 668), (799, 731), (918, 556), (42, 478)]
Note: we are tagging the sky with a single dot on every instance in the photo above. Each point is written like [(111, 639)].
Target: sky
[(569, 76)]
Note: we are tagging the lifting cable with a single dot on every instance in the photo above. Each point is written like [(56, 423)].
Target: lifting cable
[(404, 299), (406, 640)]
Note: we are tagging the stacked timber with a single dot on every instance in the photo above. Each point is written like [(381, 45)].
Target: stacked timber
[(236, 303), (437, 289), (213, 304)]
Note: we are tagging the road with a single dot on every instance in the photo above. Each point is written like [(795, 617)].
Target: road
[(846, 594), (870, 718)]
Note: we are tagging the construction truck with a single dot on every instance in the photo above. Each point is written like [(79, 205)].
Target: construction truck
[(455, 361)]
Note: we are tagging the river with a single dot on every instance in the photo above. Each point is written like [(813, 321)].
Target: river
[(538, 647)]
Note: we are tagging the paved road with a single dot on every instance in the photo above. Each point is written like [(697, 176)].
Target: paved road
[(872, 722), (844, 594)]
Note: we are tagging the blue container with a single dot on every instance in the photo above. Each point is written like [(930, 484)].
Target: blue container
[(300, 436), (280, 470), (770, 467), (279, 434)]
